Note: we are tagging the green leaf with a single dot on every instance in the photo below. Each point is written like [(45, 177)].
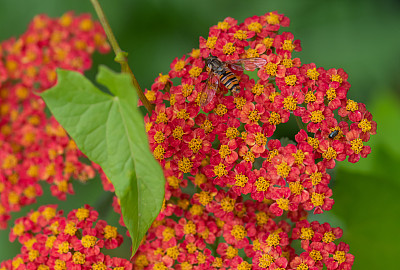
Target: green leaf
[(109, 129)]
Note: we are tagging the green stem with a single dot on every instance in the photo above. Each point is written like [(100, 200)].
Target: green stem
[(300, 123), (121, 57)]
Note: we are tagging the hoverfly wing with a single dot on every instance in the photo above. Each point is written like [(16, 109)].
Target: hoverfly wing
[(247, 63), (208, 91)]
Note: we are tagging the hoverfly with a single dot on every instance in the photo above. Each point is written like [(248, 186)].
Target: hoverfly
[(220, 72), (333, 134)]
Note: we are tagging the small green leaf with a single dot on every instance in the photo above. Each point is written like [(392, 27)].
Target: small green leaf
[(109, 129)]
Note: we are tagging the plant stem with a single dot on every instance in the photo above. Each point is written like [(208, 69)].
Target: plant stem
[(121, 57), (299, 123)]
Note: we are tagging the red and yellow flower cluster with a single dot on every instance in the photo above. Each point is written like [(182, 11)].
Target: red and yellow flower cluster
[(33, 147), (51, 241), (236, 196)]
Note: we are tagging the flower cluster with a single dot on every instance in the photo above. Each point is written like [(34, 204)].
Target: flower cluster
[(51, 241), (33, 147), (244, 176)]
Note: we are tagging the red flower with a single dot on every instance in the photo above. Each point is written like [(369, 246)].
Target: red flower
[(319, 199), (282, 202)]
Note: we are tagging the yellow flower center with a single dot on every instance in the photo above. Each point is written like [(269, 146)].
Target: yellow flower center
[(272, 18), (187, 89), (273, 240), (240, 34), (231, 252), (224, 151), (161, 118), (195, 144), (306, 233), (240, 102), (331, 94), (163, 78), (159, 137), (313, 74), (241, 180), (205, 197), (316, 178), (229, 48), (232, 132), (283, 203), (287, 63), (290, 103), (168, 234), (255, 26), (262, 218), (262, 184), (63, 247), (78, 258), (268, 42), (228, 204), (219, 170), (88, 241), (159, 152), (195, 71), (328, 237), (182, 114), (329, 154), (211, 42), (173, 252), (365, 125), (189, 228), (244, 266), (271, 68), (283, 169), (340, 256), (239, 232), (257, 89), (265, 261), (196, 210), (313, 142), (70, 228), (316, 255), (250, 53), (249, 157), (221, 110), (357, 145), (177, 133), (185, 165), (207, 126), (288, 45), (173, 182), (299, 157), (110, 232), (179, 65), (317, 116), (336, 78), (291, 80), (296, 187), (260, 139), (254, 116), (274, 118), (351, 105), (317, 199), (223, 25), (310, 97)]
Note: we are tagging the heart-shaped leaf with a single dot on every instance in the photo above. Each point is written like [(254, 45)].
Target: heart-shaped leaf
[(109, 129)]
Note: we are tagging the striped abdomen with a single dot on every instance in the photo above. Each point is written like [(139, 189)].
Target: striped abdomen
[(229, 80)]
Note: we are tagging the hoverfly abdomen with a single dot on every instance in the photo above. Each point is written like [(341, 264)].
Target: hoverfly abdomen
[(229, 80)]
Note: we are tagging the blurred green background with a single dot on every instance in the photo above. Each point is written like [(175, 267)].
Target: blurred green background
[(362, 37)]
